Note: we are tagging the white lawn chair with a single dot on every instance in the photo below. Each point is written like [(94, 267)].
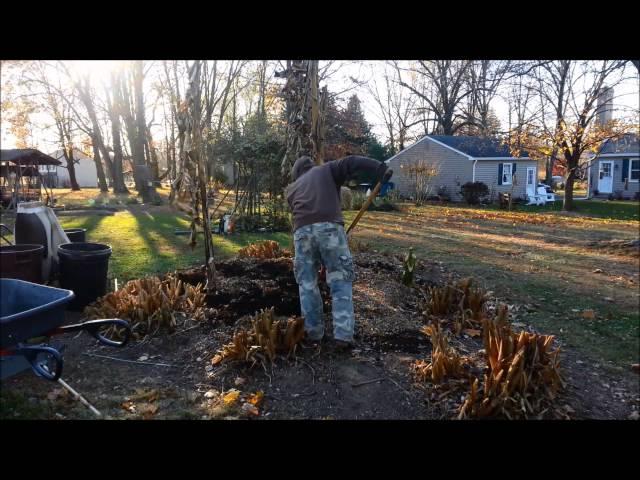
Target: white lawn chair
[(540, 198)]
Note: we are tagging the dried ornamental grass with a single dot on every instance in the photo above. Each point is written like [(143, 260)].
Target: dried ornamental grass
[(522, 373), (150, 304), (445, 361), (265, 249), (267, 338)]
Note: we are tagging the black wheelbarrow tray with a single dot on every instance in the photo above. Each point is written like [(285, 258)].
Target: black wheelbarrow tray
[(32, 313)]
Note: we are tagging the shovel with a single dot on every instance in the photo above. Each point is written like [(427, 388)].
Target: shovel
[(369, 201), (364, 208)]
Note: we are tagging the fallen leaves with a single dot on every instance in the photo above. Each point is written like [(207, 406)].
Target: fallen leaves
[(588, 314), (231, 397)]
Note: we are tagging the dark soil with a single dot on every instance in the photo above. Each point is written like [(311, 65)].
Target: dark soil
[(372, 381)]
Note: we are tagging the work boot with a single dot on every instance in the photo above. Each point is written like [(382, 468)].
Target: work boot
[(311, 343), (342, 346)]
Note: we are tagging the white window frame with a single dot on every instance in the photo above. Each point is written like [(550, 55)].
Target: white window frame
[(510, 174), (631, 160)]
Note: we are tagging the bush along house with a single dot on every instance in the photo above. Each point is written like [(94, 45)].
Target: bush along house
[(456, 160), (614, 171)]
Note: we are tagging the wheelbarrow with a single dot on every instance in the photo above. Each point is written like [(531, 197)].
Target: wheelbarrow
[(30, 314)]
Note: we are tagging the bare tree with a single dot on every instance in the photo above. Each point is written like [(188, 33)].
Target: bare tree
[(396, 106), (485, 79), (449, 79), (113, 96)]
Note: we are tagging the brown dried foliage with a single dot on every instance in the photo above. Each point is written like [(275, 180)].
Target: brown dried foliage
[(522, 373), (267, 337), (266, 249), (150, 304), (445, 361)]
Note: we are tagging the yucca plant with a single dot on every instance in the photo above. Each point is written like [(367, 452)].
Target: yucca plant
[(409, 266)]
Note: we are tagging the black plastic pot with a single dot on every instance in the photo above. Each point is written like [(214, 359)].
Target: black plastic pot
[(23, 262), (76, 234), (83, 269)]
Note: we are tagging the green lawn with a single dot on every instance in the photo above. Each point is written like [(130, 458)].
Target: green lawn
[(543, 260), (144, 241), (612, 209)]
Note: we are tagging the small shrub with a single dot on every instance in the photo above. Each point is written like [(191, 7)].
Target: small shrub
[(473, 192), (596, 192), (345, 198), (357, 200), (409, 266), (443, 193), (611, 197), (618, 195), (384, 205), (636, 196)]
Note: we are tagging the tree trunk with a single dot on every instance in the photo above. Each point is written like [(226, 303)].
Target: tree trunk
[(118, 177), (72, 169), (568, 191), (102, 182), (549, 168)]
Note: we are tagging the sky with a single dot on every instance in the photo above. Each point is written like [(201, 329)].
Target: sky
[(627, 96)]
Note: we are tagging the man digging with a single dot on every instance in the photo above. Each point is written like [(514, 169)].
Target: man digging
[(320, 239)]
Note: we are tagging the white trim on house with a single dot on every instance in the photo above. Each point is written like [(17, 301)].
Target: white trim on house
[(593, 157), (406, 149), (427, 137), (510, 182), (469, 157), (502, 158), (631, 160), (473, 177)]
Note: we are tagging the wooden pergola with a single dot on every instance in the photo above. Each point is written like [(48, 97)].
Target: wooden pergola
[(20, 178)]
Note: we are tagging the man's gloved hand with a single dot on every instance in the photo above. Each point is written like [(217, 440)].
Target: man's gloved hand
[(387, 175)]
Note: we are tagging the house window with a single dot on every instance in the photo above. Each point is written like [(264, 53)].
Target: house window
[(506, 173), (634, 170)]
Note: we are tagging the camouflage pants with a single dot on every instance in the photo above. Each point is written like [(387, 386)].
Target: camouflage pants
[(324, 243)]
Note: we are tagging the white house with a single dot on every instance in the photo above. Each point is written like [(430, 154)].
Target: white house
[(615, 169), (85, 168), (461, 159)]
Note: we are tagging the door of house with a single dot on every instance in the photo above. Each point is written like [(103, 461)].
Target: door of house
[(531, 181), (605, 176)]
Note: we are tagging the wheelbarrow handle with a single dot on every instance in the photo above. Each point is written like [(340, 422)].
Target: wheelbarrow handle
[(94, 326), (31, 353)]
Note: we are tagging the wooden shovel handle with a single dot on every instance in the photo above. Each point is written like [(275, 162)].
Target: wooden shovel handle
[(365, 206)]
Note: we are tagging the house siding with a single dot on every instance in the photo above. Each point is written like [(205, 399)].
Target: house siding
[(628, 189), (454, 169), (487, 172), (85, 169)]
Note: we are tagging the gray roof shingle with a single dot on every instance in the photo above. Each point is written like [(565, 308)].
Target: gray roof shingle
[(628, 143), (476, 146)]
